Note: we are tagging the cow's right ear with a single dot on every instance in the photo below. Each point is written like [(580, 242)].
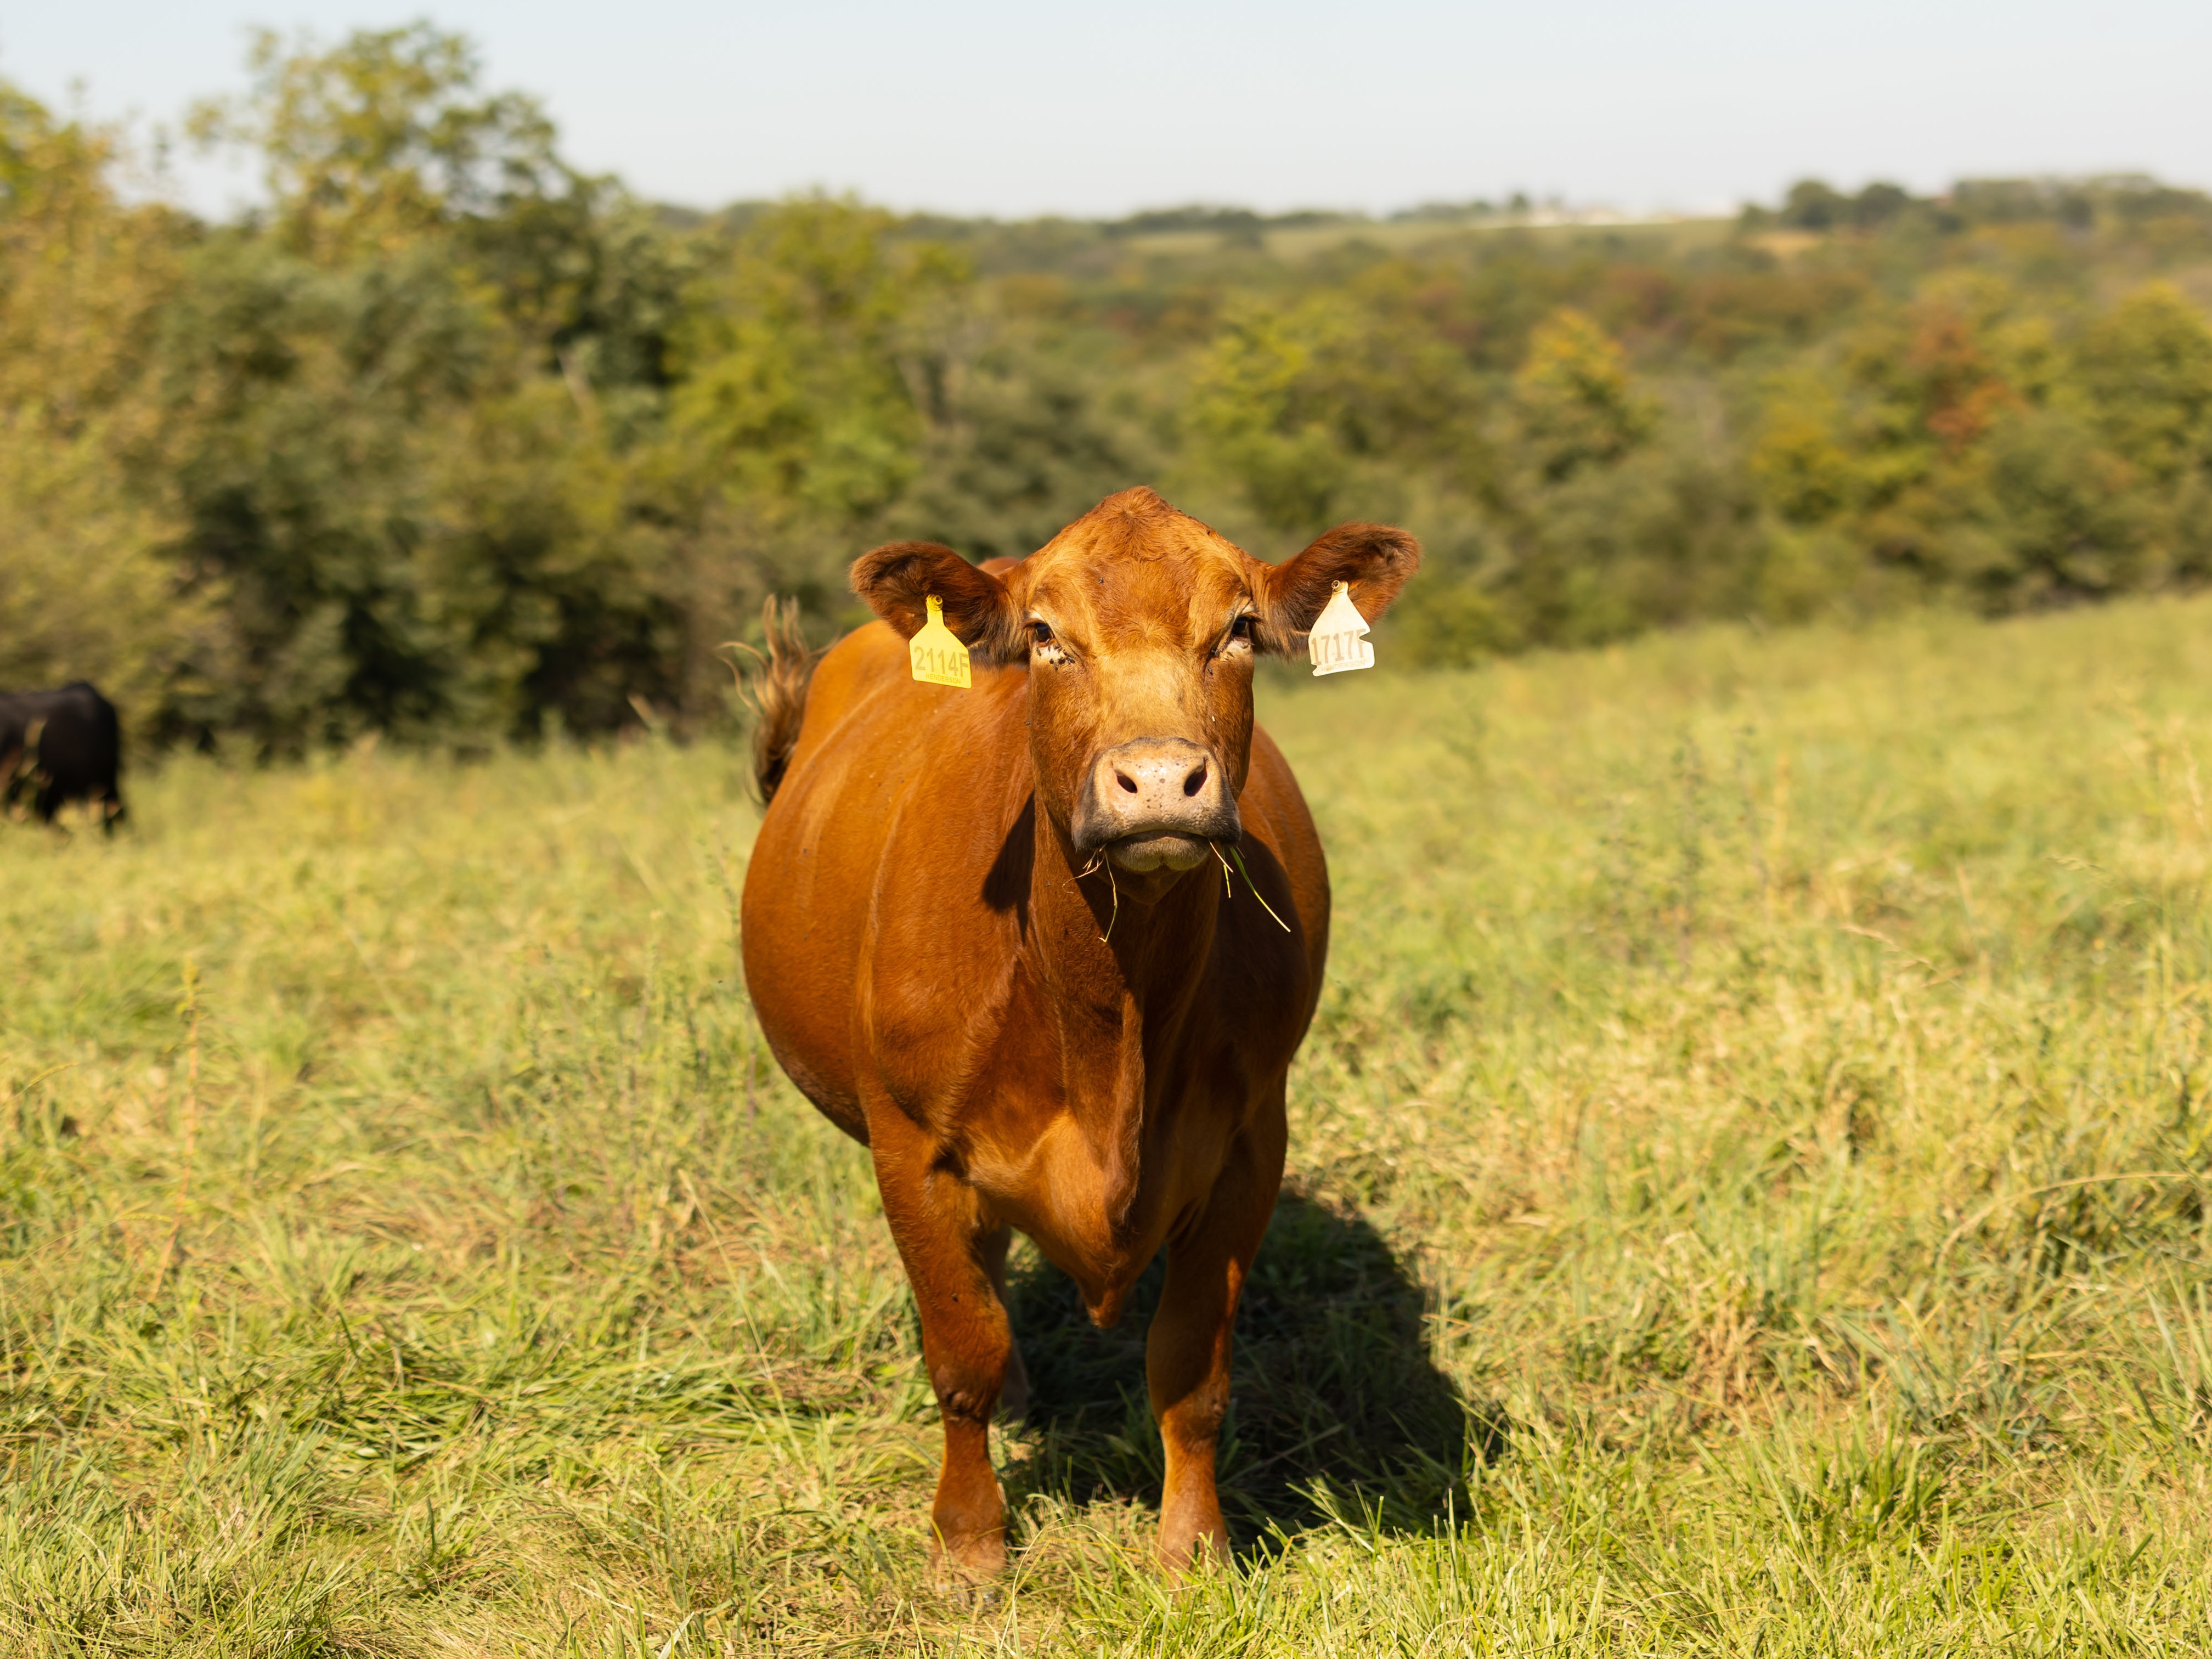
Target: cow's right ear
[(897, 580)]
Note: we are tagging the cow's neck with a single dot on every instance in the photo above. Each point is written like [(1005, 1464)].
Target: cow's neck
[(1122, 957)]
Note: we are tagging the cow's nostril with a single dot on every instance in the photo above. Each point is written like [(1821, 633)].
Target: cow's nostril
[(1195, 781), (1126, 781)]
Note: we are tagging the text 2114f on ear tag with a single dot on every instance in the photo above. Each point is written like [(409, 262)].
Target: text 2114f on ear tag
[(1337, 643), (936, 653)]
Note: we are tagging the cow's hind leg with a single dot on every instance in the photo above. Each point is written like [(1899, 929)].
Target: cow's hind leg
[(1187, 1350), (1014, 1392), (944, 1235)]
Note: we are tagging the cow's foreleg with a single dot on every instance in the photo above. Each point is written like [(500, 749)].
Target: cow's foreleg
[(1187, 1351), (943, 1237)]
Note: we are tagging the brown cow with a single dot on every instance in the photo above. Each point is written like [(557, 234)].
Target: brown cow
[(987, 932)]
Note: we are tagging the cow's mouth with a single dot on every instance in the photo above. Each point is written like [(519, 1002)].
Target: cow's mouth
[(1154, 849)]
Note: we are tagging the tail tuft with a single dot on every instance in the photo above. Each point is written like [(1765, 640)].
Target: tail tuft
[(776, 690)]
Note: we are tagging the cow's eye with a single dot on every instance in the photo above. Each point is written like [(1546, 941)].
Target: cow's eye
[(1045, 643), (1240, 629)]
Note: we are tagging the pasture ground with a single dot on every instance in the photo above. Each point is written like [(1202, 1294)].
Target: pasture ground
[(1748, 1195)]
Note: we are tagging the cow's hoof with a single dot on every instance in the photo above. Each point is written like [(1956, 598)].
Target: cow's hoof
[(964, 1570), (1186, 1560), (971, 1597)]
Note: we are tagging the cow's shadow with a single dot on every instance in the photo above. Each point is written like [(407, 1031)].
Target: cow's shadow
[(1335, 1403)]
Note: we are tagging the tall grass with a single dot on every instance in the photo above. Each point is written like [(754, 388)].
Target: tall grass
[(1747, 1194)]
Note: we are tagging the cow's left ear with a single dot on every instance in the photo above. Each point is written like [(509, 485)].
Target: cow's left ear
[(897, 580), (1373, 560)]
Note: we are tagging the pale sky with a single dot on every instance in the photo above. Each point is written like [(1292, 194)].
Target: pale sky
[(981, 106)]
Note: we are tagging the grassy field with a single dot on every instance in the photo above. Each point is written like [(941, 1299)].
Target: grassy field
[(1748, 1195)]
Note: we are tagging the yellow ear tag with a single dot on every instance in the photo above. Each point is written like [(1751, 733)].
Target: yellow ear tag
[(936, 653), (1337, 643)]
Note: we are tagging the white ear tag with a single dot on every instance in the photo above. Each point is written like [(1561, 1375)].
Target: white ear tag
[(935, 651), (1337, 643)]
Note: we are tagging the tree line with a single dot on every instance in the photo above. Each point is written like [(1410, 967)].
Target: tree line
[(453, 442)]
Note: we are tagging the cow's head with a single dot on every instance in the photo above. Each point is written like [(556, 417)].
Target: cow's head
[(1137, 628)]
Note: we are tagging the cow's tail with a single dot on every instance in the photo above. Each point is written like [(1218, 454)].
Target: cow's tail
[(775, 690)]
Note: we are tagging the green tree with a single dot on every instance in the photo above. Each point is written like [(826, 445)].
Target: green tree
[(809, 365), (2068, 513), (2147, 369), (1296, 402), (87, 588), (1573, 398), (369, 144), (1260, 407), (1024, 441), (408, 420)]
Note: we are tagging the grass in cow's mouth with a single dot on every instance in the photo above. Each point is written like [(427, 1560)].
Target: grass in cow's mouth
[(1229, 888), (1100, 861), (1698, 1237)]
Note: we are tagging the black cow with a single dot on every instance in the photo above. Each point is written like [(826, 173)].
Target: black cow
[(60, 746)]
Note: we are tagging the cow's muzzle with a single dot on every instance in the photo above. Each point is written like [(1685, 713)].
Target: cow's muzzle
[(1153, 802)]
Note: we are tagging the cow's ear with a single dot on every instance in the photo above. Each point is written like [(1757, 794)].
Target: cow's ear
[(1372, 559), (897, 580)]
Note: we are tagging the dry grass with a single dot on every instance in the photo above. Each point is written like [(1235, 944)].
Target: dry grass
[(1749, 1196)]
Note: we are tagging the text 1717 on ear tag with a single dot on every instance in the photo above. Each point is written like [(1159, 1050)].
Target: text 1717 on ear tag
[(1337, 643), (936, 653)]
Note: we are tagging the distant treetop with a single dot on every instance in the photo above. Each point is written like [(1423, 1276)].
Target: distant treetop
[(1813, 205)]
